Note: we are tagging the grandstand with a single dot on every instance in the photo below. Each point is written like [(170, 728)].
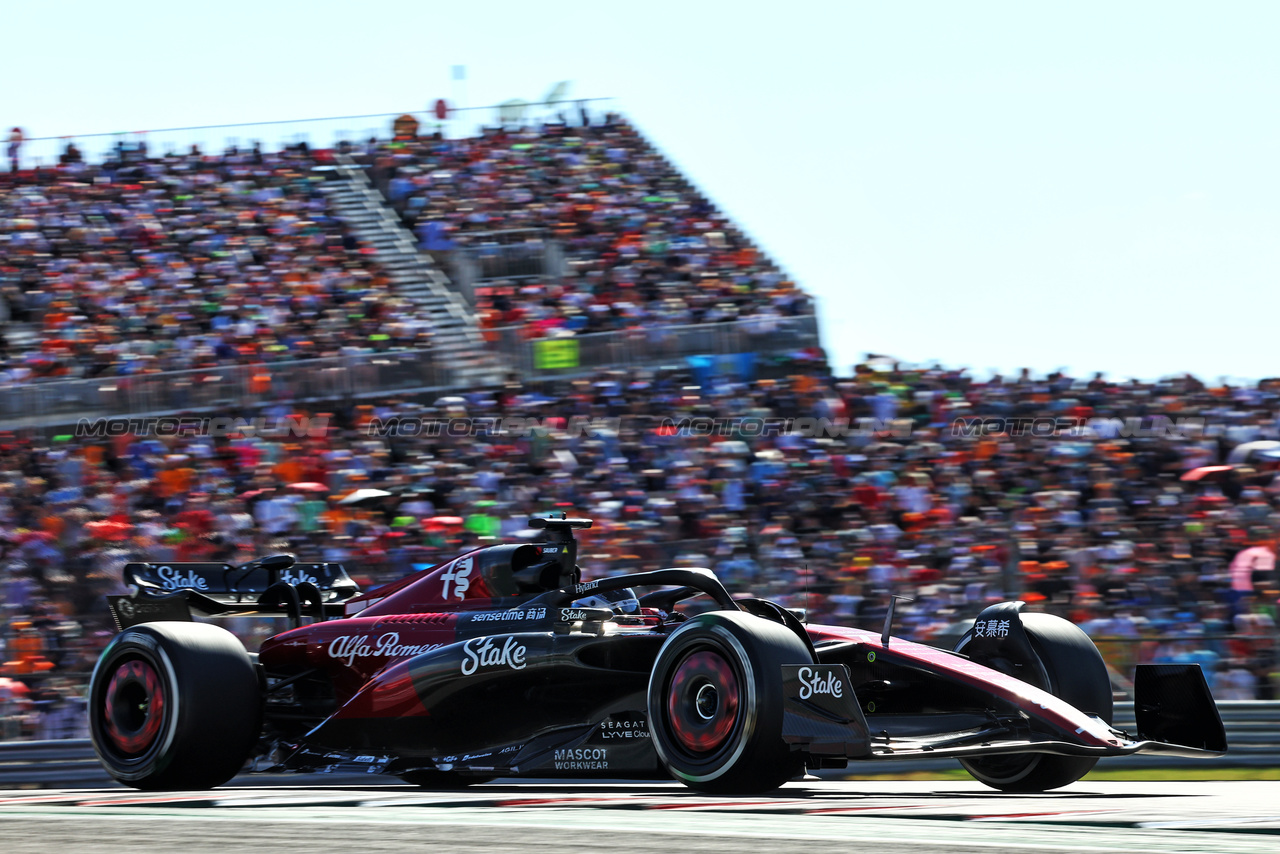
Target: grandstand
[(241, 265)]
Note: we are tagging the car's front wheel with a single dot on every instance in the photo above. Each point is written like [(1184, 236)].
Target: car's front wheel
[(174, 705), (716, 703), (1073, 670)]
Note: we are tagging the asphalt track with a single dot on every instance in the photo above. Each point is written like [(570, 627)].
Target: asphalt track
[(928, 817)]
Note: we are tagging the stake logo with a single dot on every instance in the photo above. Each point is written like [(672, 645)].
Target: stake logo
[(479, 652), (290, 576), (176, 579), (815, 683)]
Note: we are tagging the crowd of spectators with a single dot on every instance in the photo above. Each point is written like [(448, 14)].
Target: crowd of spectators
[(642, 245), (184, 261), (144, 263), (1093, 519)]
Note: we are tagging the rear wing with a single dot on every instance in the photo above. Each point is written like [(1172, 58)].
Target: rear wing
[(273, 586)]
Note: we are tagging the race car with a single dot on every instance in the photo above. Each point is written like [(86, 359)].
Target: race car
[(503, 663)]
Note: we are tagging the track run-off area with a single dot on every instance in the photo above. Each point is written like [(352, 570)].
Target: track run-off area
[(640, 817)]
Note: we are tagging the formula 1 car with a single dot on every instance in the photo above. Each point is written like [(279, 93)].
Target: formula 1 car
[(502, 662)]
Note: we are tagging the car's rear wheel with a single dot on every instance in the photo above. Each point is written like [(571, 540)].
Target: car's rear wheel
[(1073, 670), (716, 703), (174, 705)]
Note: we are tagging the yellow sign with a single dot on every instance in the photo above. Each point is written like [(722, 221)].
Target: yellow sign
[(553, 353)]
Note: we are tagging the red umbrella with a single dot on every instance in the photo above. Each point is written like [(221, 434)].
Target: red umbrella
[(254, 493), (1206, 472), (442, 521), (309, 486)]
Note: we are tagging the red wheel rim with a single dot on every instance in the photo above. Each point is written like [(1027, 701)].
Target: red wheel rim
[(133, 707), (702, 704)]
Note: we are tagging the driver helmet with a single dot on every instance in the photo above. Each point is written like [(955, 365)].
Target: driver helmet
[(621, 601)]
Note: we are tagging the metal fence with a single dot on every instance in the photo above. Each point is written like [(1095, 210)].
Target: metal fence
[(195, 391), (511, 255), (41, 404), (516, 253), (654, 345), (41, 149), (1253, 733)]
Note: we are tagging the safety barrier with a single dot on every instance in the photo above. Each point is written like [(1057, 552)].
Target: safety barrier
[(50, 764), (1253, 731), (1253, 736)]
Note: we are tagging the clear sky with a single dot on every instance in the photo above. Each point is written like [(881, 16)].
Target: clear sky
[(1086, 185)]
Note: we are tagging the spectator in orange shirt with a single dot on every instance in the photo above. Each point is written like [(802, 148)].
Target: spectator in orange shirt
[(175, 478)]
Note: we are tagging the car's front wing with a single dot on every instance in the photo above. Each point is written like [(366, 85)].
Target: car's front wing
[(1175, 715)]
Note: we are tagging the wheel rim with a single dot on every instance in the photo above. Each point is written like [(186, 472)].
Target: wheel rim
[(703, 701), (133, 708)]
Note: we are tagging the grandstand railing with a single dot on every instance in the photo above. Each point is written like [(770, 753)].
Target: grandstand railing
[(216, 389), (514, 255), (652, 345), (317, 132), (219, 389)]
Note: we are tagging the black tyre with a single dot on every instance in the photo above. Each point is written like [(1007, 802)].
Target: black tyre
[(174, 706), (1069, 667), (715, 703)]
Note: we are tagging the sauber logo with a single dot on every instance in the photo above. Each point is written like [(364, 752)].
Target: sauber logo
[(348, 648), (479, 653), (815, 683), (459, 576), (176, 579)]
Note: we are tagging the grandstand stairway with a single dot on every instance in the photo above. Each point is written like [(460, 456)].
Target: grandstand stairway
[(456, 334)]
